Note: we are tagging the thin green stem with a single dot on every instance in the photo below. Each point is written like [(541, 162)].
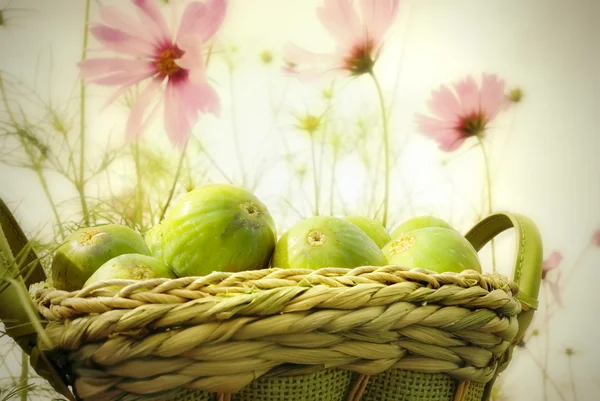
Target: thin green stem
[(373, 204), (289, 204), (576, 264), (211, 160), (46, 189), (3, 358), (325, 118), (81, 182), (488, 180), (234, 127), (27, 306), (508, 136), (139, 204), (545, 374), (24, 379), (34, 162), (567, 279), (386, 148), (209, 54), (573, 386), (408, 13), (5, 101), (546, 347), (177, 174), (315, 173), (332, 183)]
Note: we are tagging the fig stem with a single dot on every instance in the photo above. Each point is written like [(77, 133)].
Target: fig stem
[(386, 148), (80, 186), (488, 179), (175, 180), (316, 238)]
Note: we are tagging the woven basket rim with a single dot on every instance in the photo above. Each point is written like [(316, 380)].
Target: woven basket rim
[(264, 279)]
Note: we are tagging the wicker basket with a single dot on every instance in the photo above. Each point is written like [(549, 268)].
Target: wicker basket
[(370, 333)]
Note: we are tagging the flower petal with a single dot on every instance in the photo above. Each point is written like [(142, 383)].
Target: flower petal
[(310, 67), (176, 119), (153, 20), (443, 103), (448, 138), (194, 12), (115, 71), (315, 75), (552, 262), (377, 16), (297, 55), (555, 289), (596, 238), (122, 42), (117, 19), (202, 97), (492, 96), (138, 114), (192, 59), (468, 95), (341, 20), (121, 90), (202, 20), (183, 104)]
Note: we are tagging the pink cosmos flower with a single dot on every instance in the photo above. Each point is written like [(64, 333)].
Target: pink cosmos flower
[(153, 52), (464, 113), (552, 263), (596, 238), (358, 39)]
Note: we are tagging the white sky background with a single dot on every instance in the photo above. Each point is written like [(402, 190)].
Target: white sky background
[(544, 150)]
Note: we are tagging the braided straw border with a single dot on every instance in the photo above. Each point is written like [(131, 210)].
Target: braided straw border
[(222, 331)]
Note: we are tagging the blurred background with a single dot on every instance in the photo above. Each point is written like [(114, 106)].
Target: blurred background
[(543, 149)]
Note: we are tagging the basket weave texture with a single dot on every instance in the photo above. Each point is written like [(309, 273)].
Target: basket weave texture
[(257, 334)]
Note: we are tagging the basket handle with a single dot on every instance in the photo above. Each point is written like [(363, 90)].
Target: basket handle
[(527, 273), (16, 241), (12, 313)]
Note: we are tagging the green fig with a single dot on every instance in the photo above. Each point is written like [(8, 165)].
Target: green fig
[(86, 249), (217, 228), (131, 267), (324, 241), (372, 228), (433, 248), (418, 222), (153, 238)]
